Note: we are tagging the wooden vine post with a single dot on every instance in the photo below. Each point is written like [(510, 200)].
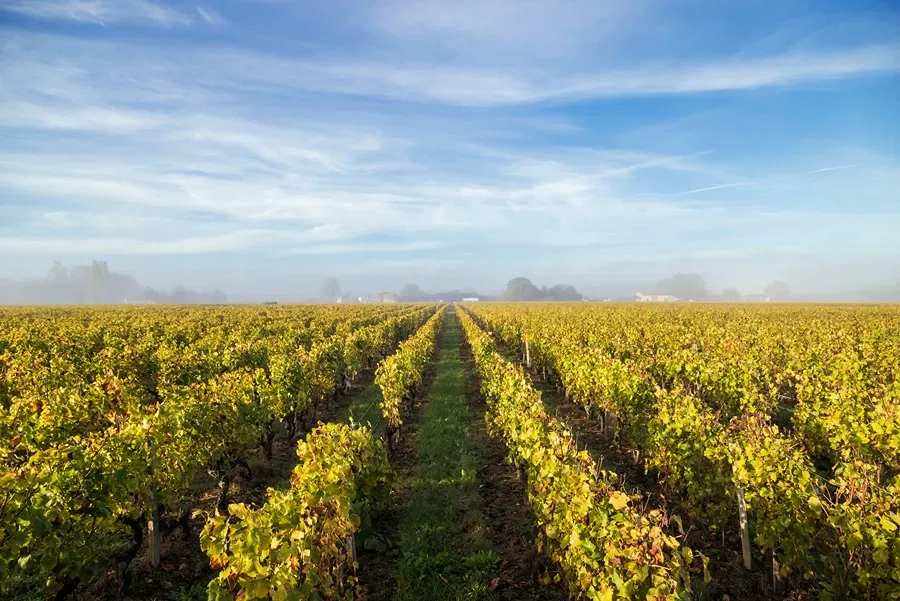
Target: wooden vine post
[(154, 525), (351, 544), (745, 527), (777, 580)]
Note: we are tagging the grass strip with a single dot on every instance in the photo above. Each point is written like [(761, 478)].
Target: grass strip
[(445, 551)]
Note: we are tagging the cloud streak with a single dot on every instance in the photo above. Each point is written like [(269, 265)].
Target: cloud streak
[(764, 180), (100, 11), (486, 87), (210, 15), (831, 169), (708, 189), (214, 68)]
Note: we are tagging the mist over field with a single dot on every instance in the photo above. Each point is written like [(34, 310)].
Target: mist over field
[(249, 151)]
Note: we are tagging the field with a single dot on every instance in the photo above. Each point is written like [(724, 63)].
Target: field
[(479, 451)]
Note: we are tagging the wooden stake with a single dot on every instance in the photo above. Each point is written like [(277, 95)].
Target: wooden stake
[(153, 526), (351, 543), (745, 528), (777, 580), (527, 355)]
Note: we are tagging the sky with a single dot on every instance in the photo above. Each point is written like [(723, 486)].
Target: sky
[(260, 146)]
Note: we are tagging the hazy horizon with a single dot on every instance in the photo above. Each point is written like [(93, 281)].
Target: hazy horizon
[(259, 147)]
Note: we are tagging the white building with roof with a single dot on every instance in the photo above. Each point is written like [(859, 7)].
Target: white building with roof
[(656, 298)]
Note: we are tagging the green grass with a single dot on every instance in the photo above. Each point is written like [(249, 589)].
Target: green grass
[(365, 408), (444, 548)]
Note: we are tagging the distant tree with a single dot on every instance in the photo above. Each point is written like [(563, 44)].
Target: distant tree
[(122, 287), (778, 291), (563, 292), (58, 287), (179, 295), (731, 294), (686, 286), (331, 290), (58, 274), (411, 293), (216, 297), (99, 281), (153, 296), (521, 289)]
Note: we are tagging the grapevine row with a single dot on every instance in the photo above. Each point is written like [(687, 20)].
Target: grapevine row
[(68, 506), (838, 530), (299, 545), (400, 375), (308, 529), (606, 546)]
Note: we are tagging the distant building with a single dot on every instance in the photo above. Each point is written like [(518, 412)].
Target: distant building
[(656, 298), (387, 297), (470, 299)]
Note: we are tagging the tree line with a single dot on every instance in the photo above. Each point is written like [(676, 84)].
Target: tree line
[(95, 284)]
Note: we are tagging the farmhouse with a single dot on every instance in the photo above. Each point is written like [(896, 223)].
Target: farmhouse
[(655, 298)]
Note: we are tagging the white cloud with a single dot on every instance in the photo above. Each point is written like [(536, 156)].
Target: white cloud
[(85, 118), (217, 73), (479, 86), (101, 11), (231, 241), (210, 15), (503, 30)]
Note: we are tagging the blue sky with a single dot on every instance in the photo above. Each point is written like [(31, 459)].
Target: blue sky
[(258, 146)]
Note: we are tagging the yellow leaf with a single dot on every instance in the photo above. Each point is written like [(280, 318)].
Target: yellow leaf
[(618, 500)]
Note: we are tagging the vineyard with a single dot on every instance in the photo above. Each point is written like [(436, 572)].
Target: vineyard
[(483, 451)]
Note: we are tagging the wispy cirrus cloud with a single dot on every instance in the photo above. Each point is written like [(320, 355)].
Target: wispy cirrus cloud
[(763, 181), (835, 168), (101, 11), (210, 15), (209, 70), (484, 87)]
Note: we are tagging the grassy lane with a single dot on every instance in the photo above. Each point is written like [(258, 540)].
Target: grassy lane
[(445, 551), (365, 408)]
